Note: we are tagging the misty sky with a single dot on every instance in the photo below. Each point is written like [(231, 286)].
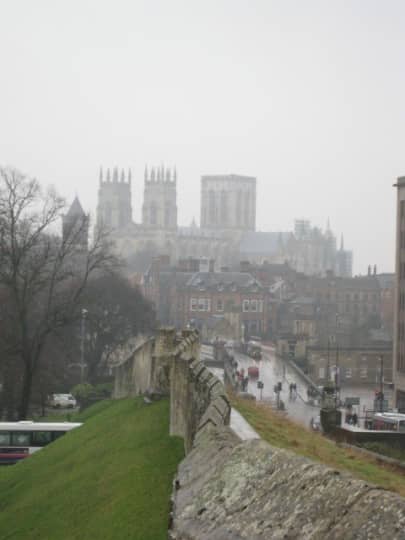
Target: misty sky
[(308, 96)]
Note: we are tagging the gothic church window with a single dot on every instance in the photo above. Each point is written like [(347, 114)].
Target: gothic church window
[(212, 208), (153, 214), (224, 207)]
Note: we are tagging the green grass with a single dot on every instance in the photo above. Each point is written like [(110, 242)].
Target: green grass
[(109, 479), (283, 433)]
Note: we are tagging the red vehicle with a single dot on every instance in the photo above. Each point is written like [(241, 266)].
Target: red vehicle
[(253, 372)]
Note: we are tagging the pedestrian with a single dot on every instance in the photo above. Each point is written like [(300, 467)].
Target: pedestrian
[(354, 419)]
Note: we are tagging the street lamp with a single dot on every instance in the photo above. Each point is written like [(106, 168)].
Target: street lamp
[(337, 379), (381, 383), (82, 337)]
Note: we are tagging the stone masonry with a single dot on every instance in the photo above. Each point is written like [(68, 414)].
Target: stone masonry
[(228, 489)]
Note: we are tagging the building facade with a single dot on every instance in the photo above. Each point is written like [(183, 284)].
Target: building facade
[(228, 202), (159, 210), (227, 232)]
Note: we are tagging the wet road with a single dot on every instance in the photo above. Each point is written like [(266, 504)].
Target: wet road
[(271, 371)]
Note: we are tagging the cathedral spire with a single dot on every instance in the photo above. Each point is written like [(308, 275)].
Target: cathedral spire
[(115, 174), (122, 176)]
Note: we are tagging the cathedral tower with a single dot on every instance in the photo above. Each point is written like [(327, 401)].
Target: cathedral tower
[(159, 210), (114, 209), (228, 202)]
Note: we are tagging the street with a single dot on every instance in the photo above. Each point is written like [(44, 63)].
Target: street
[(273, 370)]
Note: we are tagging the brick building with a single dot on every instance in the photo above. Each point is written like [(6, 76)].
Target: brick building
[(236, 300), (355, 366)]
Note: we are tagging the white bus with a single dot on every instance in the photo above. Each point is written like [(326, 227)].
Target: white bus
[(20, 439)]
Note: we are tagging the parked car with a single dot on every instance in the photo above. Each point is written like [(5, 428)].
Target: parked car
[(316, 423), (253, 372), (59, 401)]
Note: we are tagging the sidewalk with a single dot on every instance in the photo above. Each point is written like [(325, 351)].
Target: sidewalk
[(241, 427)]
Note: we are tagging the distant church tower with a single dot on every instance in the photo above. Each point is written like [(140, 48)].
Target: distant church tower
[(228, 202), (159, 210), (75, 225), (114, 209)]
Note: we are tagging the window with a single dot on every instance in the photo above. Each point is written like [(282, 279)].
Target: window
[(5, 438), (260, 302), (20, 438), (348, 373), (220, 305), (253, 305), (363, 372), (321, 372), (245, 305), (41, 438), (193, 304), (204, 304)]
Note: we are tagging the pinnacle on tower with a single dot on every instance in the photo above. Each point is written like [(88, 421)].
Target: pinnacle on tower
[(158, 174), (162, 172), (129, 176), (145, 175), (101, 175), (152, 174), (175, 174), (341, 243), (108, 179), (168, 175), (122, 176), (115, 174)]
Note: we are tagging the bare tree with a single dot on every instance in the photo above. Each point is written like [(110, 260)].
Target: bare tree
[(116, 311), (44, 274)]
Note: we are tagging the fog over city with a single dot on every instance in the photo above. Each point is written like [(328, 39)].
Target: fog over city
[(305, 96)]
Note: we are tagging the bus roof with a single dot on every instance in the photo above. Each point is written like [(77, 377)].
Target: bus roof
[(38, 426), (389, 416)]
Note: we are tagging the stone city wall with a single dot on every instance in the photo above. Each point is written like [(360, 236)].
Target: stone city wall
[(228, 489), (171, 364)]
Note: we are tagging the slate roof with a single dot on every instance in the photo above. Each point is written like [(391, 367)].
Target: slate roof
[(226, 279), (75, 209), (262, 242)]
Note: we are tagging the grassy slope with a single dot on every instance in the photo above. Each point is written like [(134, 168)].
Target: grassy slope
[(109, 479), (283, 433)]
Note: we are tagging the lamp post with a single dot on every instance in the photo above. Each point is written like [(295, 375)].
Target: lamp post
[(381, 383), (337, 392), (82, 338)]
